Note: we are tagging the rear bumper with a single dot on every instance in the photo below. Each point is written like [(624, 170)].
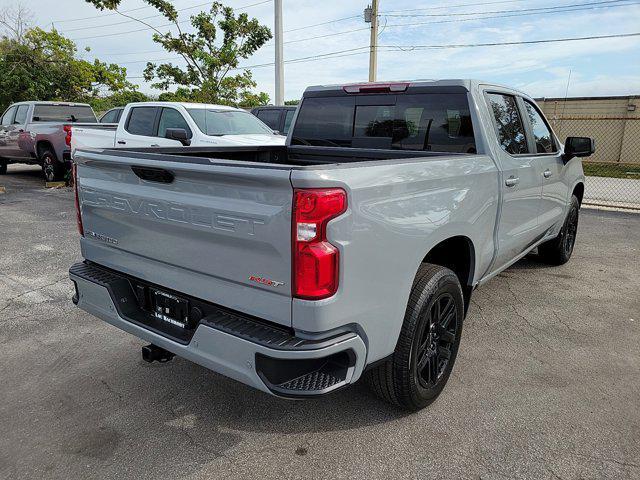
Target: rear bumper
[(240, 347)]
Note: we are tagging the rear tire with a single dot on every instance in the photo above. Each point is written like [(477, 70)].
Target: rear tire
[(53, 170), (558, 250), (428, 344)]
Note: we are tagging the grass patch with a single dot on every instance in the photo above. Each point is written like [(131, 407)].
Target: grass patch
[(614, 170)]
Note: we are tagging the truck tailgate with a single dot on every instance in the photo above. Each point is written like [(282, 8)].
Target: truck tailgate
[(215, 231)]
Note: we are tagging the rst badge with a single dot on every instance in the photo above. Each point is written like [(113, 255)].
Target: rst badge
[(265, 281)]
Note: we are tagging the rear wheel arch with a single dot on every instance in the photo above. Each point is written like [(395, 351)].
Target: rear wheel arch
[(43, 146), (456, 253)]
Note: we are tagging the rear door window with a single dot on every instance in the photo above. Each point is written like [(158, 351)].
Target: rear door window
[(439, 122), (142, 121), (271, 117), (509, 126), (63, 113)]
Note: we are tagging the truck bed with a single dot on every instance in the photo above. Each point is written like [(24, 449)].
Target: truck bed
[(278, 155)]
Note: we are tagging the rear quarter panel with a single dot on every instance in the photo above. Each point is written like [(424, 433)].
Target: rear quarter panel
[(397, 212)]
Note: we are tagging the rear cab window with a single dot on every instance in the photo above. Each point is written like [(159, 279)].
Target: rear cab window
[(437, 122), (63, 113)]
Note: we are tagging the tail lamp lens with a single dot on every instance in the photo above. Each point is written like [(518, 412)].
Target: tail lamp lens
[(315, 260), (68, 130), (74, 170)]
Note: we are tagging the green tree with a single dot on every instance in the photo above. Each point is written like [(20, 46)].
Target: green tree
[(43, 65), (211, 51)]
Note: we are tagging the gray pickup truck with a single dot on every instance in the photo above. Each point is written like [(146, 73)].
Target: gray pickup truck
[(350, 252), (40, 133)]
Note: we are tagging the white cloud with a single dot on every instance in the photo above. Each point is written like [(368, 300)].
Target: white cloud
[(600, 67)]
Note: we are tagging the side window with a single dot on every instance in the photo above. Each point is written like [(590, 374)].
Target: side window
[(109, 117), (509, 124), (271, 117), (7, 118), (141, 120), (541, 131), (171, 118), (21, 115), (287, 121), (119, 114)]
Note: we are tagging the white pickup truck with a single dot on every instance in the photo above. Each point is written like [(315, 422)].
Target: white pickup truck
[(171, 124)]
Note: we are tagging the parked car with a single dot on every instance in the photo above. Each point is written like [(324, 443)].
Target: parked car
[(278, 118), (352, 251), (112, 116), (39, 133), (166, 124)]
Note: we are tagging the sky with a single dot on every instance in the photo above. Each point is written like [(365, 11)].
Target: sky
[(598, 67)]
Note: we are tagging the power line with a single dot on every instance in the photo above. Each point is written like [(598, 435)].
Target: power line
[(145, 7), (455, 6), (160, 15), (412, 24), (467, 14), (405, 48), (488, 17), (322, 23)]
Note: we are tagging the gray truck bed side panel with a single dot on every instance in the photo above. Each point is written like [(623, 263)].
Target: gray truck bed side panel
[(396, 214)]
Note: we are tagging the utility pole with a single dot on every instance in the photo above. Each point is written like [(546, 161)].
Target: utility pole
[(279, 56), (371, 15)]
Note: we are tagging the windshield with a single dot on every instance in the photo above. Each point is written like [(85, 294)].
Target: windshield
[(227, 122), (63, 113)]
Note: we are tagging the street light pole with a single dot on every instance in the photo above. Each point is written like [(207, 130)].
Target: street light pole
[(279, 57), (373, 48)]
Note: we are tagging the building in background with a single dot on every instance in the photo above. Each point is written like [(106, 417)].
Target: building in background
[(614, 122)]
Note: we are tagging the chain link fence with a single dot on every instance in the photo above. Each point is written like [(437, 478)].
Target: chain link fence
[(613, 172)]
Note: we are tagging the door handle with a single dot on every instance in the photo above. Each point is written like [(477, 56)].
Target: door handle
[(122, 142), (512, 181), (151, 174), (547, 173), (154, 145)]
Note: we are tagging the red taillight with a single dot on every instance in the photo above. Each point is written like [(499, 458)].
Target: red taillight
[(67, 138), (315, 260), (74, 170), (376, 87)]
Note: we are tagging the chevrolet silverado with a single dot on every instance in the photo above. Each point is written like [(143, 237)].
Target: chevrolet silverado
[(350, 252)]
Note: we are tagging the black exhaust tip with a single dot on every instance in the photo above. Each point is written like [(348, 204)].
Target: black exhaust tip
[(153, 353)]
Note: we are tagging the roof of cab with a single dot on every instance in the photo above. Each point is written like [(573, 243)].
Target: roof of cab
[(466, 83), (184, 104)]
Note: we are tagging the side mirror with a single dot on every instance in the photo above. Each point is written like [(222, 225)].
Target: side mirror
[(578, 147), (179, 134)]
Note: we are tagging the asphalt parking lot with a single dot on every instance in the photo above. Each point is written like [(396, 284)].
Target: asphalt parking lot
[(547, 382)]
